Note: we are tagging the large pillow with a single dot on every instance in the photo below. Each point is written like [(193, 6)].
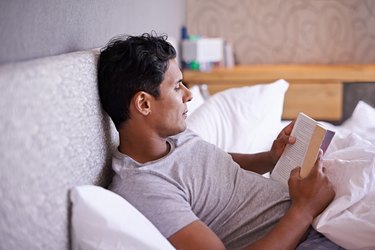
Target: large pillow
[(197, 100), (104, 220), (362, 121), (242, 120)]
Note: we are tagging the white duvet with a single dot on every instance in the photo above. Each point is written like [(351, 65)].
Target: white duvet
[(349, 220), (246, 120)]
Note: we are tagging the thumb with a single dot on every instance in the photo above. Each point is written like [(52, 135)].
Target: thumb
[(294, 177), (295, 173)]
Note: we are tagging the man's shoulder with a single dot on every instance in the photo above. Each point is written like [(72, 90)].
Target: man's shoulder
[(184, 136)]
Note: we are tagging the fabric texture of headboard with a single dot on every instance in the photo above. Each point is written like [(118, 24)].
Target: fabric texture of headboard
[(54, 136)]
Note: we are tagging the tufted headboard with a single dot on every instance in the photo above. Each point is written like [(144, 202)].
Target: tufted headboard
[(54, 135)]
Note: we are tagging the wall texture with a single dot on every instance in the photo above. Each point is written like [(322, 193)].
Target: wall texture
[(289, 31), (38, 28)]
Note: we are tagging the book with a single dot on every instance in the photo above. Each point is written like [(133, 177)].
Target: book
[(310, 137)]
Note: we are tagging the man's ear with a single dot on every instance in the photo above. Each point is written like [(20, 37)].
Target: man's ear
[(142, 102)]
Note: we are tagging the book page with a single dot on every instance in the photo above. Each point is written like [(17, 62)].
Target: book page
[(294, 154)]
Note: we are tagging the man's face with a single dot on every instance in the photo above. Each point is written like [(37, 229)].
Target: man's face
[(169, 110)]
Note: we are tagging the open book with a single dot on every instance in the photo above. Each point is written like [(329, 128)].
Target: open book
[(310, 137)]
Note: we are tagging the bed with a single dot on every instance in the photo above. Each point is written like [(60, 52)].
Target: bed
[(56, 147), (54, 136)]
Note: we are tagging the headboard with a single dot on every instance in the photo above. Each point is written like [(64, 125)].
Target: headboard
[(317, 90), (54, 136)]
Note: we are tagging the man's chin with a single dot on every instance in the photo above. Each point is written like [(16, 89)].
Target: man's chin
[(182, 129)]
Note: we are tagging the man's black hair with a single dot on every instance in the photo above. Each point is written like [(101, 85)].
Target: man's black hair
[(127, 65)]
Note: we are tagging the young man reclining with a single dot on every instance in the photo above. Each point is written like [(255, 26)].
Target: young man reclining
[(197, 195)]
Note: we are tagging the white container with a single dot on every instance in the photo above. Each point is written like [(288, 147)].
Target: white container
[(203, 50)]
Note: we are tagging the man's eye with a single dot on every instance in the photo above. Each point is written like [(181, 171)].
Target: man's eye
[(178, 85)]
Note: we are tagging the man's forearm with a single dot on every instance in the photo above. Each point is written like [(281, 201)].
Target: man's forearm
[(287, 233), (260, 162)]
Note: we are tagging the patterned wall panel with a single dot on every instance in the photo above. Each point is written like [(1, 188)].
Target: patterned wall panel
[(289, 31)]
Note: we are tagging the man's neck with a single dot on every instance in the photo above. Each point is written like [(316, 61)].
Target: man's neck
[(143, 147)]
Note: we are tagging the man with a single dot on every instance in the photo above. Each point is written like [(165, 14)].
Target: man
[(198, 196)]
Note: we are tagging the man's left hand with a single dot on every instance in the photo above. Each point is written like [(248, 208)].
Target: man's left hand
[(281, 141)]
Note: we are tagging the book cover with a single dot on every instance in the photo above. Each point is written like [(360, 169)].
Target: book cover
[(310, 137)]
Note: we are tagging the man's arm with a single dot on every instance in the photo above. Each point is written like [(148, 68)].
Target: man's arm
[(264, 162), (259, 163), (196, 235), (310, 196)]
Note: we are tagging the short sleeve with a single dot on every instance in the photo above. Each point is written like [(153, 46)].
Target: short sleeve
[(164, 202)]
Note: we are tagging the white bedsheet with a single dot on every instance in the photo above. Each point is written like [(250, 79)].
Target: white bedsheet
[(349, 220)]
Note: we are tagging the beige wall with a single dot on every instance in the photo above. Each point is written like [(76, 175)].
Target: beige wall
[(289, 31)]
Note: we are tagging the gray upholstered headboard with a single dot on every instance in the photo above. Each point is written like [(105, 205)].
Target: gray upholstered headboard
[(54, 135)]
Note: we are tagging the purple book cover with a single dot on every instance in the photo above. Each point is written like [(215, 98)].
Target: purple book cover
[(327, 140)]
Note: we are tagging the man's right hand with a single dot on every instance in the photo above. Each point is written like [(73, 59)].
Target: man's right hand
[(311, 195)]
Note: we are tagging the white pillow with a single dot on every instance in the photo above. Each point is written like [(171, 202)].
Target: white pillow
[(242, 120), (197, 100), (102, 219), (362, 121)]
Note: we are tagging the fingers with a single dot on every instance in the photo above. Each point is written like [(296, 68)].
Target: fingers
[(294, 177), (288, 129), (285, 133), (291, 139), (320, 154), (319, 162), (285, 139)]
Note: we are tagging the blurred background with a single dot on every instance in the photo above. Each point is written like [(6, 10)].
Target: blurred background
[(251, 31), (259, 31)]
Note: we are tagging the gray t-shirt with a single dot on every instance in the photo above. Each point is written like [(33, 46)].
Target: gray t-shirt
[(197, 180)]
